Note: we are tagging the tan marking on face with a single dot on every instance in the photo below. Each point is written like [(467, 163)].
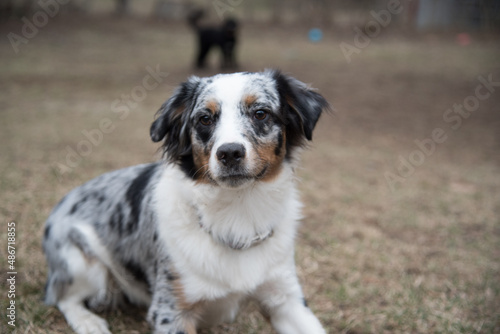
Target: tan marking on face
[(249, 99), (268, 157), (201, 159), (212, 106)]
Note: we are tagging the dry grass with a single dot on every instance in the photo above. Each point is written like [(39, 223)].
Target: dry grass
[(421, 259)]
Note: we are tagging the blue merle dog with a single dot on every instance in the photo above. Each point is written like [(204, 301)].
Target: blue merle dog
[(210, 226)]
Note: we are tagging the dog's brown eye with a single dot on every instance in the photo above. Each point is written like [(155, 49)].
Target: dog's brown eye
[(260, 115), (206, 120)]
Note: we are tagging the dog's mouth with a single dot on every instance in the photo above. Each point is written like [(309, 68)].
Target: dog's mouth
[(235, 179)]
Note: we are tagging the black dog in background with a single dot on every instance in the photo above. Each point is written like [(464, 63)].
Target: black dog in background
[(223, 37)]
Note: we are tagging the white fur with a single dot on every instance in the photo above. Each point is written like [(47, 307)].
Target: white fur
[(92, 277), (90, 280), (134, 293), (217, 270)]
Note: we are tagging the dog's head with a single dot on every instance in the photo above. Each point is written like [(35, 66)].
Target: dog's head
[(230, 26), (235, 129)]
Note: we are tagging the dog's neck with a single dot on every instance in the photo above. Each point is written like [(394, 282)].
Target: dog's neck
[(244, 218), (240, 243)]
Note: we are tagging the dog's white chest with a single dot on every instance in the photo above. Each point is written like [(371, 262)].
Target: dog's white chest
[(197, 227)]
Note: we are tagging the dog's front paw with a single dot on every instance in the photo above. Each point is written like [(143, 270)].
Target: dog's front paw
[(90, 324), (82, 320)]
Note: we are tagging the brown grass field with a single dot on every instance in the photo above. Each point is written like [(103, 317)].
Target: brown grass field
[(422, 256)]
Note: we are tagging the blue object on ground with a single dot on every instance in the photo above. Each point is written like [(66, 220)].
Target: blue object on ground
[(315, 35)]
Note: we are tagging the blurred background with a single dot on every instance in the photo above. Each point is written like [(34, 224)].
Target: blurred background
[(481, 15), (401, 183)]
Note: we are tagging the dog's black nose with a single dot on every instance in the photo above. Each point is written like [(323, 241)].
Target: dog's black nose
[(231, 154)]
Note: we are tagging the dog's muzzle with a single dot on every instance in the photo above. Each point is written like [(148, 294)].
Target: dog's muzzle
[(233, 170)]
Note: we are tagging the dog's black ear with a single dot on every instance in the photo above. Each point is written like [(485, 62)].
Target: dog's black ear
[(172, 121), (302, 107)]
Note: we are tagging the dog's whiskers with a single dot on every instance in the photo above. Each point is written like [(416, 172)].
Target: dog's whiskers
[(199, 169)]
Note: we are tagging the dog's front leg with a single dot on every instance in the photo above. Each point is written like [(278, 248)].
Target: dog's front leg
[(165, 314), (282, 302)]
